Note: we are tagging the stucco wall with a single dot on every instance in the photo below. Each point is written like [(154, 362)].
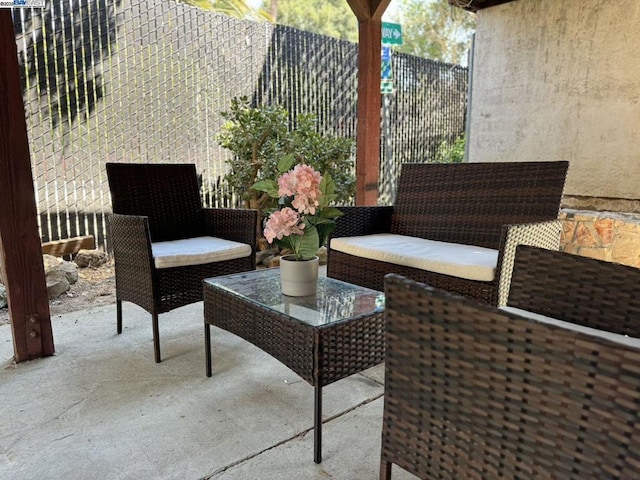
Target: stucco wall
[(559, 80)]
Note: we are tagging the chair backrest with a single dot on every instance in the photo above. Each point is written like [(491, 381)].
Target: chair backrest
[(167, 194), (472, 392), (577, 289), (470, 202)]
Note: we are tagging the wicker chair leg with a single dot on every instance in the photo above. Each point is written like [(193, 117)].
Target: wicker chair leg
[(119, 315), (156, 338), (385, 470)]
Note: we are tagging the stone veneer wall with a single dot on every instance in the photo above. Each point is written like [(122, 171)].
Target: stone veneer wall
[(614, 237)]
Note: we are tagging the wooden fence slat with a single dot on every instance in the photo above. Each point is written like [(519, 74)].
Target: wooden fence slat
[(68, 246)]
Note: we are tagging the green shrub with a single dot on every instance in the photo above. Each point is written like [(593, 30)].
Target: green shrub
[(259, 137), (451, 153)]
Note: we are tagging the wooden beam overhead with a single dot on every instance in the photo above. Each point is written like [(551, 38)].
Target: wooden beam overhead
[(360, 9), (368, 9), (378, 7), (20, 247)]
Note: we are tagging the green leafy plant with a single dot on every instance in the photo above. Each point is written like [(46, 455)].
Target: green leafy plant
[(451, 153), (261, 137)]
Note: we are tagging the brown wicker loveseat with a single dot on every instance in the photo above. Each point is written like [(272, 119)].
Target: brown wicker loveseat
[(476, 392), (476, 212)]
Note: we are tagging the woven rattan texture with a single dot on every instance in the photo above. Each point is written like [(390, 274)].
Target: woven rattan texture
[(173, 195), (349, 347), (319, 354), (358, 221), (166, 197), (231, 224), (287, 340), (576, 289), (470, 202), (541, 234), (174, 208), (134, 263), (183, 285), (473, 393), (482, 204)]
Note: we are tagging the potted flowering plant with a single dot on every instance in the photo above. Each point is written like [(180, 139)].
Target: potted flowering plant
[(304, 218)]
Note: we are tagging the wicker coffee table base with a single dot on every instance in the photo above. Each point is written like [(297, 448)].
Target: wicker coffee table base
[(320, 354)]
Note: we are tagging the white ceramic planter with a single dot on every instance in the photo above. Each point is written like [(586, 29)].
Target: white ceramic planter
[(299, 278)]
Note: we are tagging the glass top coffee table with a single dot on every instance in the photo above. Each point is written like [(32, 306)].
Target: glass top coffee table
[(323, 338)]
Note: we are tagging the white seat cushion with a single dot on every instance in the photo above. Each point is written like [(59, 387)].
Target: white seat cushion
[(454, 259), (196, 251), (613, 337)]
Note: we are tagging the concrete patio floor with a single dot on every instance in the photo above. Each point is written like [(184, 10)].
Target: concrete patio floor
[(101, 408)]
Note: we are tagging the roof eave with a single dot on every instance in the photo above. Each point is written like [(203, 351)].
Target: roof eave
[(475, 5)]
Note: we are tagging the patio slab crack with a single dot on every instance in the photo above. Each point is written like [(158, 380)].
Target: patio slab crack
[(287, 440)]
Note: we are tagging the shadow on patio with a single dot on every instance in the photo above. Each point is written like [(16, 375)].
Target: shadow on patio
[(101, 407)]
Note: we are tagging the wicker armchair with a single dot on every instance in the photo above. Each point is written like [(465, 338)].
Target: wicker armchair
[(476, 392), (494, 206), (165, 243)]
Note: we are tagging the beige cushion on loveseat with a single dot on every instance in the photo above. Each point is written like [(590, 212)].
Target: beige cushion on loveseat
[(454, 259), (196, 251)]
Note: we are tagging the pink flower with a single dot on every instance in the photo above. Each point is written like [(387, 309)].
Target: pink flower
[(287, 184), (303, 183), (283, 223), (305, 204)]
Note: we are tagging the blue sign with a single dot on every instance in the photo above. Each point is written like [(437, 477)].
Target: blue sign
[(386, 70)]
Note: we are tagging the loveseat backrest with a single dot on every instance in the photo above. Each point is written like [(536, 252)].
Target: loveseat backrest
[(470, 202), (577, 289), (166, 193)]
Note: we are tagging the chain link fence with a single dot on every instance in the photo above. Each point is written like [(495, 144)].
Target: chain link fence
[(143, 81)]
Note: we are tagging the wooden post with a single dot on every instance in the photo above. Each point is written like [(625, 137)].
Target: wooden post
[(369, 103), (20, 250), (369, 14)]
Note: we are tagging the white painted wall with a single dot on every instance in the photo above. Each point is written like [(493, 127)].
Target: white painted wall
[(560, 80)]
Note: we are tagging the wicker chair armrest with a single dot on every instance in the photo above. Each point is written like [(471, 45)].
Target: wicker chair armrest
[(131, 244), (577, 289), (363, 220), (237, 224), (539, 234)]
